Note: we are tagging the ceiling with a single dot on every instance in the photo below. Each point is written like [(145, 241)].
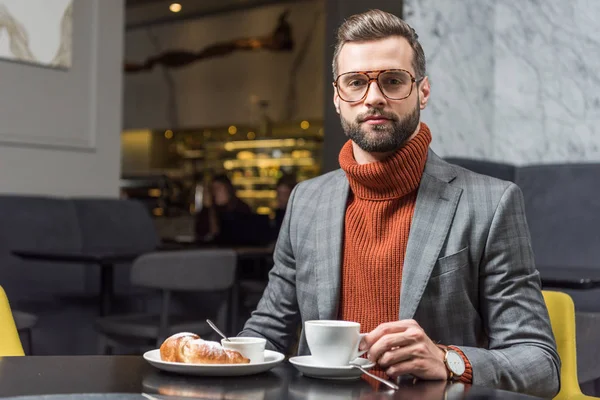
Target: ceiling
[(144, 13), (133, 3)]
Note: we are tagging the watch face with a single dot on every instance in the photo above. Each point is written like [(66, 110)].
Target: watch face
[(455, 363)]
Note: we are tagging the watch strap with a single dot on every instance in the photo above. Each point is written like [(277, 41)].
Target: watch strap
[(467, 376)]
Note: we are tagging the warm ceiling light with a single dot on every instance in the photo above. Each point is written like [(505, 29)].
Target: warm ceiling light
[(175, 7)]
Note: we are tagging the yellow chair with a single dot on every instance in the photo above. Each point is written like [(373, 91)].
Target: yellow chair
[(10, 344), (562, 317)]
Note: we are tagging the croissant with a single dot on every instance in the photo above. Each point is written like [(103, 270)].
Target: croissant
[(189, 348)]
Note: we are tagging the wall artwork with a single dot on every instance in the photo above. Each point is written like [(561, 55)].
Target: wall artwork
[(37, 32)]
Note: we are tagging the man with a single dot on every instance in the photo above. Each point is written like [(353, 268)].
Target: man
[(431, 259)]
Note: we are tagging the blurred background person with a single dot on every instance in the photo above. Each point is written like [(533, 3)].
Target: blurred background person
[(284, 188), (219, 200)]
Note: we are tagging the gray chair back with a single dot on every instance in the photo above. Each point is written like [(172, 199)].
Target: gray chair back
[(506, 172), (31, 222), (115, 224), (189, 270), (562, 203), (37, 223)]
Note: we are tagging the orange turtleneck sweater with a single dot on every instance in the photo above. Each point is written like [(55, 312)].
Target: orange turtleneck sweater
[(377, 224), (378, 217)]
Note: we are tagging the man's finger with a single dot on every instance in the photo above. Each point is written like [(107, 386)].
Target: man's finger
[(384, 329), (403, 368), (387, 343), (396, 356)]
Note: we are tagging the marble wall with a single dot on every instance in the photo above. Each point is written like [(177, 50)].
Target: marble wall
[(512, 80)]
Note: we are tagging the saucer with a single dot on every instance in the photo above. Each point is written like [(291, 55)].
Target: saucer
[(309, 367)]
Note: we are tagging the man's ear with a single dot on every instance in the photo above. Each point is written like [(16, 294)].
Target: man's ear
[(336, 99), (424, 89)]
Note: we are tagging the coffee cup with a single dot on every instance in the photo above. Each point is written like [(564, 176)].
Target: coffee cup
[(333, 343), (249, 347)]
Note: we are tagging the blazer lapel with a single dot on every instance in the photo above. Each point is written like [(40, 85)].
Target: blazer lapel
[(434, 210), (329, 237)]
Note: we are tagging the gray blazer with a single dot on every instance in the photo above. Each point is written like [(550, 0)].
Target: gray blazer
[(469, 277)]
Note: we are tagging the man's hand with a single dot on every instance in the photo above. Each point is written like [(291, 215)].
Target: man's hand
[(402, 347)]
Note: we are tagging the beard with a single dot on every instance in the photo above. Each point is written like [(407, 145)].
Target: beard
[(384, 138)]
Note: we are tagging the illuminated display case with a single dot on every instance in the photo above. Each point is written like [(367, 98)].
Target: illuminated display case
[(254, 159)]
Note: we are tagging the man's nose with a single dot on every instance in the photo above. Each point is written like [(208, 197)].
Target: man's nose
[(374, 96)]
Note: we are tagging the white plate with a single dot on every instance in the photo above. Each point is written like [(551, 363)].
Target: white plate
[(272, 358), (308, 367)]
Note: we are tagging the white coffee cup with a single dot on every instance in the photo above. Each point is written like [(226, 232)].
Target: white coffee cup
[(249, 347), (333, 343)]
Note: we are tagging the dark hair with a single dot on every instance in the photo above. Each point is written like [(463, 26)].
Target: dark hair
[(222, 178), (287, 180), (374, 25)]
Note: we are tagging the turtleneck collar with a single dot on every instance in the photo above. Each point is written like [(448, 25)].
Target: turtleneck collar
[(394, 177)]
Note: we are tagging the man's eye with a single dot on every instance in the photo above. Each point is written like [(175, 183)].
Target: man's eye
[(356, 83), (393, 82)]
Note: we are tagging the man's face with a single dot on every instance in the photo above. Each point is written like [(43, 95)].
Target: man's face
[(378, 124)]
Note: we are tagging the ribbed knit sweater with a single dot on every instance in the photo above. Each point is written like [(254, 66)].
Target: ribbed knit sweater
[(377, 223)]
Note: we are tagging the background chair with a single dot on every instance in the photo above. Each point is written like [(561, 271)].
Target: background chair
[(10, 345), (208, 272), (562, 317), (119, 226), (63, 295), (506, 172), (563, 214)]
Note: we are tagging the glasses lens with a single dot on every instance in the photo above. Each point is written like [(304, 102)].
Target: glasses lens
[(395, 84), (352, 86)]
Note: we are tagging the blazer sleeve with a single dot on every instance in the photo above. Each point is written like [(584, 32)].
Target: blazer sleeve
[(277, 316), (522, 354)]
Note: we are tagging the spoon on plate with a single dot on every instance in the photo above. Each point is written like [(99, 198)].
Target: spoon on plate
[(212, 325), (384, 381)]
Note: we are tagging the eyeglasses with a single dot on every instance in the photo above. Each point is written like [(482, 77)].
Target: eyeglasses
[(395, 84)]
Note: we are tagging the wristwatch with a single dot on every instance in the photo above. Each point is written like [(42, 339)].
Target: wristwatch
[(455, 365)]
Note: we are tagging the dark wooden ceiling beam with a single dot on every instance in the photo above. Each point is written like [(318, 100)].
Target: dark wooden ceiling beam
[(139, 3)]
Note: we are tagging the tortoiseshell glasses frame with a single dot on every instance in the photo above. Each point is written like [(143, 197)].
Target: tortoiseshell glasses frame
[(386, 88)]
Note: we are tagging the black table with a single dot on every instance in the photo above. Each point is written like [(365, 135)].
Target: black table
[(134, 379), (570, 277), (105, 260)]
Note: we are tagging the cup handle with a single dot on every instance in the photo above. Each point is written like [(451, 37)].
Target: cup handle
[(360, 353)]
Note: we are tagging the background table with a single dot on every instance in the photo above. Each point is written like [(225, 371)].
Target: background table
[(570, 277), (105, 260)]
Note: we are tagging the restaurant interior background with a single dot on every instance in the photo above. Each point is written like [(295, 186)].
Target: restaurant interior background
[(505, 88), (248, 102), (243, 87)]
